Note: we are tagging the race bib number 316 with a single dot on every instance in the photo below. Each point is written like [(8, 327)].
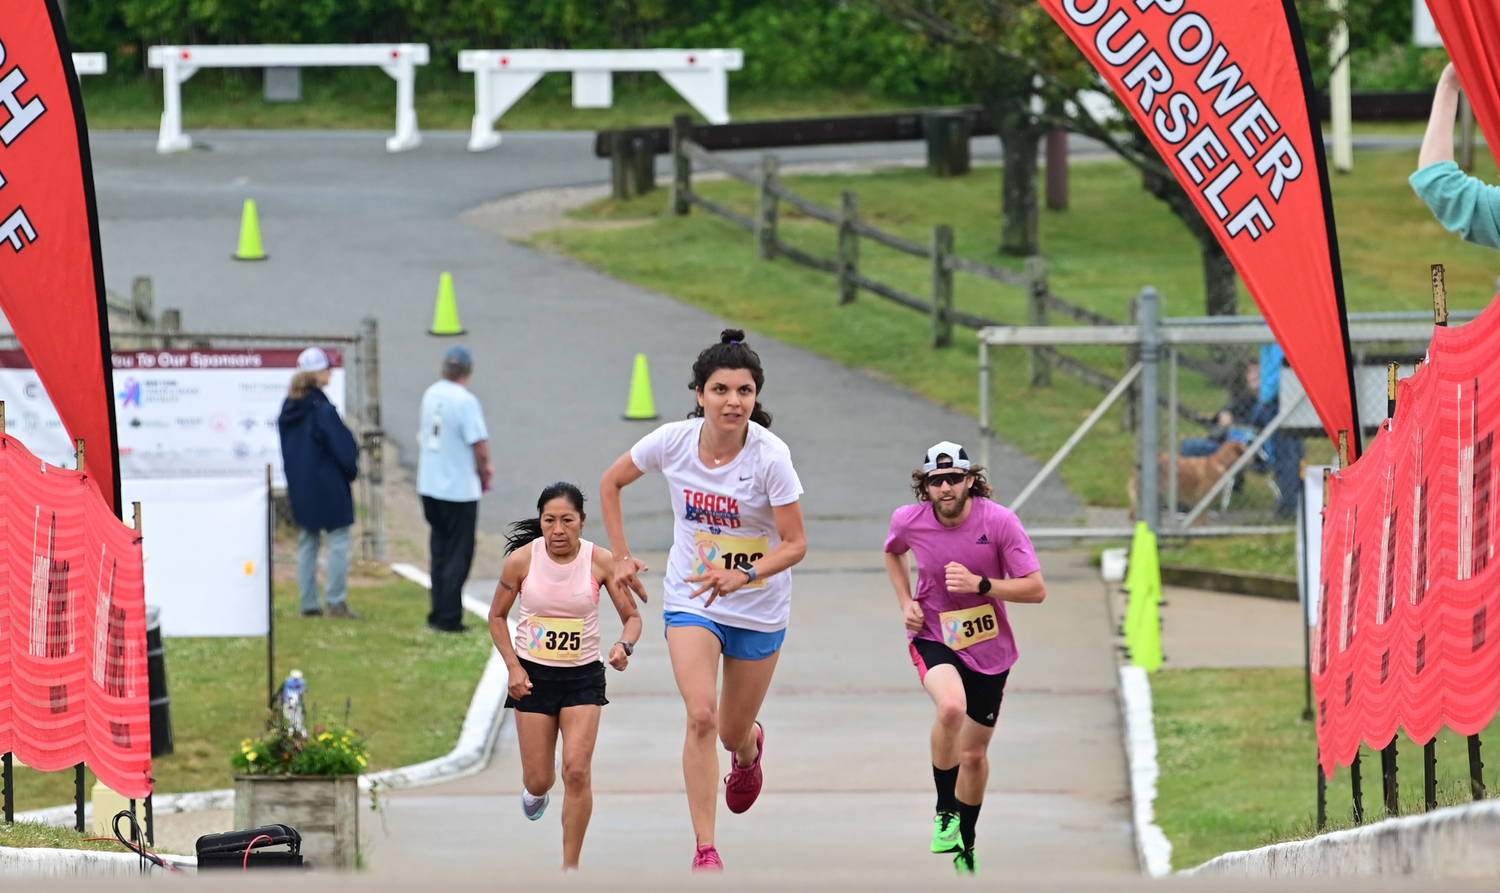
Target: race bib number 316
[(711, 550), (555, 638), (968, 627)]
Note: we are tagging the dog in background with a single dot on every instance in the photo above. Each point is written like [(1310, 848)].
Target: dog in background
[(1196, 475)]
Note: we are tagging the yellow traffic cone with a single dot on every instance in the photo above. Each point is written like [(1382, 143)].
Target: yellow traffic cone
[(250, 247), (641, 406), (445, 315)]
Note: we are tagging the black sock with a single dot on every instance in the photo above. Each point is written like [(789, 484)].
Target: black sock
[(968, 817), (946, 780)]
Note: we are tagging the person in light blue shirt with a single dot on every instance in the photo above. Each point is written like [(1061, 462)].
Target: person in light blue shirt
[(1462, 204), (453, 470)]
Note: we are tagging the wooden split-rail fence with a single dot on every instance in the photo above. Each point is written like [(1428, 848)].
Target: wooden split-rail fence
[(938, 252)]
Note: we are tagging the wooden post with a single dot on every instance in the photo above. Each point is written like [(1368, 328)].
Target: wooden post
[(1343, 449), (1389, 787), (78, 453), (682, 166), (848, 247), (2, 417), (632, 163), (1057, 170), (1036, 315), (1439, 296), (947, 143), (1466, 133), (765, 210), (1390, 390), (142, 298), (942, 286), (1132, 356), (374, 437)]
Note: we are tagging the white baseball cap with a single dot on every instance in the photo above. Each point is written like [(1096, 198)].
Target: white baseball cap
[(312, 360), (945, 455)]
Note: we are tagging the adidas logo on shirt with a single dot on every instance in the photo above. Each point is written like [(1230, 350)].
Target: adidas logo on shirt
[(984, 540)]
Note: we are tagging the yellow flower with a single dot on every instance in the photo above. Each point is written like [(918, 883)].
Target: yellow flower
[(325, 737), (363, 762), (251, 755)]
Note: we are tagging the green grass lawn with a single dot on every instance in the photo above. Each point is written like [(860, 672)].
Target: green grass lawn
[(27, 834), (408, 687), (365, 99), (1112, 241), (1239, 765)]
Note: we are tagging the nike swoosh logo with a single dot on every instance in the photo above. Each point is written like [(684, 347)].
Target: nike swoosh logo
[(746, 477)]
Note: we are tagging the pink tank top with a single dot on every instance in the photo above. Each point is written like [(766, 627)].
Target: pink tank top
[(559, 607)]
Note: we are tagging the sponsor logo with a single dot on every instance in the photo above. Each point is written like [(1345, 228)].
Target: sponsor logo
[(984, 540), (32, 390), (131, 396)]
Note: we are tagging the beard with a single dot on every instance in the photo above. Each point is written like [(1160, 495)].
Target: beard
[(953, 511)]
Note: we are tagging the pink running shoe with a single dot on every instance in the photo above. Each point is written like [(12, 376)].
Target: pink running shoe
[(707, 859), (742, 786)]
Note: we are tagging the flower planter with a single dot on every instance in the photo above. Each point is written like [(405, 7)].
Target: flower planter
[(323, 808)]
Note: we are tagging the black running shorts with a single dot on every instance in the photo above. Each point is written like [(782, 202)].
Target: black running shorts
[(554, 688), (982, 692)]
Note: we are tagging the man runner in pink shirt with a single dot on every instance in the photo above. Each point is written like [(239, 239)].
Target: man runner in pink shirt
[(972, 557)]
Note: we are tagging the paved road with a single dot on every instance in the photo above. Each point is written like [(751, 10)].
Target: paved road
[(848, 783), (353, 231)]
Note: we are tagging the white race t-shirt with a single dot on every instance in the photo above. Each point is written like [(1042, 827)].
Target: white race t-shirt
[(720, 515)]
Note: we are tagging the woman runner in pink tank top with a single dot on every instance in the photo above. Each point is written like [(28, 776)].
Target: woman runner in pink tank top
[(553, 576)]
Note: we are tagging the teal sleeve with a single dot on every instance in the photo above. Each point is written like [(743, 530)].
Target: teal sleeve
[(1461, 203)]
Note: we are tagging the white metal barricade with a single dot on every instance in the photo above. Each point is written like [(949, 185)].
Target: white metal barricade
[(90, 63), (502, 77), (399, 60)]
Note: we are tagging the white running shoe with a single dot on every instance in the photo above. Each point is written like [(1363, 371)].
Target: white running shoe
[(533, 807)]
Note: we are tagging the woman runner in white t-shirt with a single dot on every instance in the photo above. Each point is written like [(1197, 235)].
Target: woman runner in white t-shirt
[(738, 530)]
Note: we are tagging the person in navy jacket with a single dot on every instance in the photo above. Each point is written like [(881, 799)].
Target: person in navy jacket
[(321, 461)]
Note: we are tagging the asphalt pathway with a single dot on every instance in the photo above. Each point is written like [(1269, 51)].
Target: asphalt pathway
[(848, 780), (354, 231)]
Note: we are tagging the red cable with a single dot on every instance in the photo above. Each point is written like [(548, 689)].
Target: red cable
[(257, 839), (166, 862)]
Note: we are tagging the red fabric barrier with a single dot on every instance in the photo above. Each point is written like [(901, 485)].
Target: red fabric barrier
[(1469, 29), (73, 683), (1406, 631), (1224, 93)]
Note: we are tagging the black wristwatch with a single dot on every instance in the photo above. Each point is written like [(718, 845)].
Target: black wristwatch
[(748, 568), (984, 585), (629, 648)]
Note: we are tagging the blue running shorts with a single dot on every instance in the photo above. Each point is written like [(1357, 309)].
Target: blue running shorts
[(738, 643)]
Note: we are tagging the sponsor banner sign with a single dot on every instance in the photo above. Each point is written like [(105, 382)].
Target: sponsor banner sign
[(1223, 91), (205, 553), (179, 413)]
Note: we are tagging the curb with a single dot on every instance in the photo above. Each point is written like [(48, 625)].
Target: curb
[(48, 862), (1454, 842), (1152, 847), (1278, 586), (476, 741)]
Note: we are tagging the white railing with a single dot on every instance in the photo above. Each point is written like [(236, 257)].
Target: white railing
[(399, 60), (502, 77), (90, 63)]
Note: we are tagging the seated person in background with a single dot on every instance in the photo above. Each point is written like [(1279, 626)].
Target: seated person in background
[(1461, 203), (1234, 419)]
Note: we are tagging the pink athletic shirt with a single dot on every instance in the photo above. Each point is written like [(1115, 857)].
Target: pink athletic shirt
[(559, 607), (990, 543)]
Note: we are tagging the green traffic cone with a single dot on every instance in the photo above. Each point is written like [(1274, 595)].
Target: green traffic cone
[(445, 315), (641, 405), (250, 247)]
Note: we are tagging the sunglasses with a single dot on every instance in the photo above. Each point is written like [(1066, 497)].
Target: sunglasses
[(952, 479)]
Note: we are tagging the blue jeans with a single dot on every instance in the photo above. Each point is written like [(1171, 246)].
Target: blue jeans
[(338, 567)]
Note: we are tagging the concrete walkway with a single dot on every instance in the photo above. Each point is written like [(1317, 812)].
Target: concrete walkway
[(848, 778)]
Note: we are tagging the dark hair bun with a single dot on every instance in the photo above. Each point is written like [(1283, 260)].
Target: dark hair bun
[(729, 336)]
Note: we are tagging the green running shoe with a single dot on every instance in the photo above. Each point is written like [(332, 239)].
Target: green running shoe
[(945, 836), (964, 864)]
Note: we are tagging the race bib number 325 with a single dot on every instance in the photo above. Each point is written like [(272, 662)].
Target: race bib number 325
[(968, 627), (710, 550), (555, 638)]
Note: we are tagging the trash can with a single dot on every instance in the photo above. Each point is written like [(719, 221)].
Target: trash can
[(156, 673)]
